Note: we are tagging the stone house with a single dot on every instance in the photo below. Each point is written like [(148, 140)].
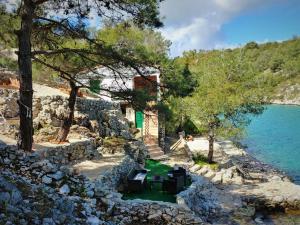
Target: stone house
[(149, 121)]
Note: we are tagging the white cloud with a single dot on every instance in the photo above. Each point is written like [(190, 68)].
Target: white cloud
[(196, 24)]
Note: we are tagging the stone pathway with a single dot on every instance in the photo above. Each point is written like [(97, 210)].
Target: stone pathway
[(93, 168), (155, 151)]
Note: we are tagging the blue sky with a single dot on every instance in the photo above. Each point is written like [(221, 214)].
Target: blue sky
[(210, 24), (272, 23)]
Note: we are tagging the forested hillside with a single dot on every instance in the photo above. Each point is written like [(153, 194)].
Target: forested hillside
[(277, 63), (231, 82)]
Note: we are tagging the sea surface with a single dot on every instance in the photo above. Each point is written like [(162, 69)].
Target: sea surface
[(274, 138)]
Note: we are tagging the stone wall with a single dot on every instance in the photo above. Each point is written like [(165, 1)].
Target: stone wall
[(137, 211), (48, 165), (8, 103), (63, 154), (38, 187), (102, 117), (93, 201), (149, 212), (26, 203), (71, 152), (97, 115), (204, 199)]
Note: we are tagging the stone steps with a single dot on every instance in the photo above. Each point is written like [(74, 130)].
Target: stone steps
[(225, 176), (155, 151)]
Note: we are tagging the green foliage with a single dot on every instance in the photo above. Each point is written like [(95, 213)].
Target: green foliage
[(228, 90), (231, 84), (128, 39), (44, 75), (8, 63), (9, 23), (251, 45), (179, 82), (113, 142), (178, 79), (202, 160), (177, 115)]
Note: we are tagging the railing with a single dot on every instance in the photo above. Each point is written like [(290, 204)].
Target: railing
[(181, 140)]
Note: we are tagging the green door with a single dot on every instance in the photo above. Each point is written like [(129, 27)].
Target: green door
[(95, 86), (139, 119)]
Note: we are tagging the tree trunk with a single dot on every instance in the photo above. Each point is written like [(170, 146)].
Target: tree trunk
[(180, 127), (211, 140), (25, 74), (67, 123)]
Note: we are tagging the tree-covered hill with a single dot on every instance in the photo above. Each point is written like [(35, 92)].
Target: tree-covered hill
[(277, 63)]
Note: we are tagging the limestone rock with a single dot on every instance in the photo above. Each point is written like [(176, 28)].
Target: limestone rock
[(217, 178), (48, 221), (47, 180), (237, 180), (64, 189), (210, 174), (57, 176), (93, 220), (4, 197), (228, 174), (155, 216), (195, 168), (203, 170)]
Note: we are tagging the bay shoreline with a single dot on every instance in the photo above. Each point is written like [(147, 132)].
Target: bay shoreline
[(286, 102), (262, 182)]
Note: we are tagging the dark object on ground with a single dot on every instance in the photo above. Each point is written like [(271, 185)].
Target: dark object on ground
[(170, 186), (136, 180), (173, 185), (179, 171), (156, 180), (177, 179)]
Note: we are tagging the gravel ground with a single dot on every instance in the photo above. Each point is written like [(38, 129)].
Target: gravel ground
[(42, 90), (93, 168)]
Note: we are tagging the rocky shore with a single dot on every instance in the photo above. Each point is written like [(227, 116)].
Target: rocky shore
[(287, 102), (289, 95), (258, 184), (30, 182)]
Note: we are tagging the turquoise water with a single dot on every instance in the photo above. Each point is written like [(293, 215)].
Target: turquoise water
[(274, 137)]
